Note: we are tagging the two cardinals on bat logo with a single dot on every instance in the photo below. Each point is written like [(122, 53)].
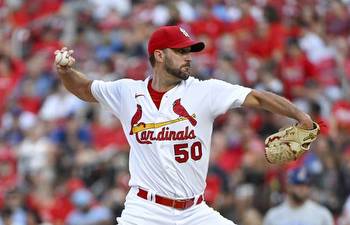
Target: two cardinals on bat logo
[(178, 108), (147, 129)]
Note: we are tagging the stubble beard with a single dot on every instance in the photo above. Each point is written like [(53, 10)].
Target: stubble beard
[(297, 199), (177, 72)]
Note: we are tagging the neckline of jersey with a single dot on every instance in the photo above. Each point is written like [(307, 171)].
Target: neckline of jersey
[(146, 81), (156, 96)]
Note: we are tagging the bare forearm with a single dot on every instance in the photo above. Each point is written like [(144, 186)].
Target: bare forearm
[(76, 83), (280, 105), (277, 104)]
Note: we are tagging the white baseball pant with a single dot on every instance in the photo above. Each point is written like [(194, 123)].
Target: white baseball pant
[(139, 211)]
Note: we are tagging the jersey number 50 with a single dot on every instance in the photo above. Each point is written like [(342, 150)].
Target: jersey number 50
[(182, 152)]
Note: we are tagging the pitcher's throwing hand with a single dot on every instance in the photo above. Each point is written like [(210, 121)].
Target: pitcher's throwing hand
[(64, 58)]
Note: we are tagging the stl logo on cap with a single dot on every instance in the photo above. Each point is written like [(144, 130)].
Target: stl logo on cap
[(184, 32)]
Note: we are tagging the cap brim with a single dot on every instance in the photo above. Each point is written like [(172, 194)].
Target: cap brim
[(196, 46)]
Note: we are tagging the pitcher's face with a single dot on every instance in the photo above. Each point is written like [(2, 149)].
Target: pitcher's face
[(177, 62)]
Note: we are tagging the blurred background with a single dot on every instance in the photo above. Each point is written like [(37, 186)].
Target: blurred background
[(58, 153)]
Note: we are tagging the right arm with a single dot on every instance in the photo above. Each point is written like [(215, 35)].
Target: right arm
[(279, 105), (73, 80), (109, 94), (76, 83)]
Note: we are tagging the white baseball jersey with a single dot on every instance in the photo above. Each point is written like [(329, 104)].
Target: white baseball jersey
[(170, 146), (310, 213)]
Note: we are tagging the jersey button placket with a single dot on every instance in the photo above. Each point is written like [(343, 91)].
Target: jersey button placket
[(163, 103), (158, 143)]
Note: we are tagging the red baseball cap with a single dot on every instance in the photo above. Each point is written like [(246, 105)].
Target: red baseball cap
[(172, 37)]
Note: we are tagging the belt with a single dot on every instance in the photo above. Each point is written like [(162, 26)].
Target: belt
[(174, 203)]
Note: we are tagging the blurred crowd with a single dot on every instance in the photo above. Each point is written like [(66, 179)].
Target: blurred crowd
[(63, 161)]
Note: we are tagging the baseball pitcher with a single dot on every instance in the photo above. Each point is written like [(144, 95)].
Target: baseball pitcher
[(168, 121)]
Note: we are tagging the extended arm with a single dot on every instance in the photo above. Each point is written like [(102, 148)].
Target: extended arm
[(74, 81), (277, 104)]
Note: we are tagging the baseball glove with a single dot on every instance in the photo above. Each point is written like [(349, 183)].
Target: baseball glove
[(289, 143)]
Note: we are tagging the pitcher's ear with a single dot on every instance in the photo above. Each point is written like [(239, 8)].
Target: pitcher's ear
[(159, 55)]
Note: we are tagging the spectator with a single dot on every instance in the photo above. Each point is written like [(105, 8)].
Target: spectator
[(13, 211), (8, 167), (85, 212), (68, 104), (36, 153), (298, 208), (344, 218), (252, 217)]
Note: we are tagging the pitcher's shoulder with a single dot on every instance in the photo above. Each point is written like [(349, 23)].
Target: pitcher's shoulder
[(132, 82), (127, 83), (194, 81)]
